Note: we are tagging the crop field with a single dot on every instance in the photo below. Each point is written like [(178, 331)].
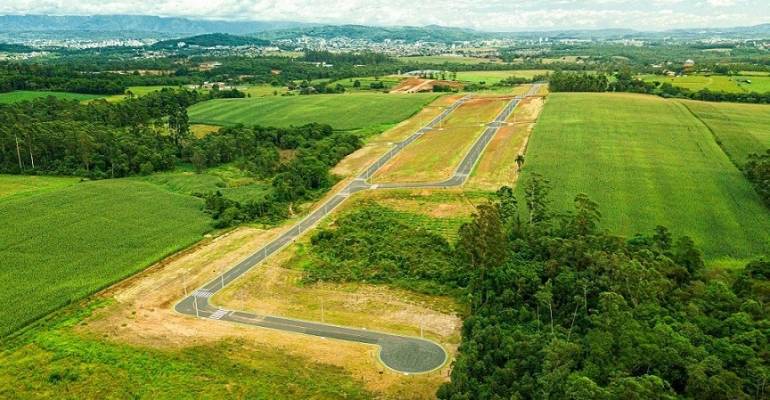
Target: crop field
[(61, 245), (742, 129), (15, 186), (647, 161), (436, 154), (716, 83), (341, 111), (388, 81), (21, 95), (491, 77)]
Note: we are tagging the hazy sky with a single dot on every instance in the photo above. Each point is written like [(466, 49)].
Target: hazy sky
[(492, 15)]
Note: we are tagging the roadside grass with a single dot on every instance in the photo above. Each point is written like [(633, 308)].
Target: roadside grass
[(436, 154), (417, 121), (56, 361), (341, 111), (647, 161), (491, 77), (63, 244), (716, 83), (15, 186), (22, 95), (741, 129)]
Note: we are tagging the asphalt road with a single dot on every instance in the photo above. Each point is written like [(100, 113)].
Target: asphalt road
[(399, 353)]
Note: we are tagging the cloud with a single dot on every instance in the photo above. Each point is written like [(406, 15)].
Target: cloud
[(497, 15)]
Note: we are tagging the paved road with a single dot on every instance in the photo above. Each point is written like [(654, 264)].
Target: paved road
[(400, 353)]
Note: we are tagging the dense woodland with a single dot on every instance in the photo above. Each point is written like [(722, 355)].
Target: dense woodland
[(757, 169)]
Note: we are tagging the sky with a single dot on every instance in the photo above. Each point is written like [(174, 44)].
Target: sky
[(486, 15)]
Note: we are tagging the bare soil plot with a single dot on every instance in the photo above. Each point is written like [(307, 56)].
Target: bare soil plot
[(413, 124), (142, 313)]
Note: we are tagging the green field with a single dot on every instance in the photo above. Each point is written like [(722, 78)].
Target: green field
[(446, 59), (65, 243), (491, 77), (59, 361), (341, 111), (138, 91), (742, 129), (15, 186), (716, 83), (189, 183), (21, 95), (647, 161)]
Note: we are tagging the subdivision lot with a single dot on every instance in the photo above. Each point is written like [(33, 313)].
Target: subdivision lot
[(65, 243), (497, 166), (436, 154), (647, 161), (341, 111), (742, 129), (411, 125)]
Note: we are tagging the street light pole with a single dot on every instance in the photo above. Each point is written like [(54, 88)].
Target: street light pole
[(195, 300)]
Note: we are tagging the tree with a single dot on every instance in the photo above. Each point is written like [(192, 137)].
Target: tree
[(519, 161)]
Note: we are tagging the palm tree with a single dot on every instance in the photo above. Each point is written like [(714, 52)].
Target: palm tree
[(519, 161)]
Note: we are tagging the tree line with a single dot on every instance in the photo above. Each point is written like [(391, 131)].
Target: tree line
[(560, 308)]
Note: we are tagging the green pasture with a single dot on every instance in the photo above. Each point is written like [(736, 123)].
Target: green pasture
[(716, 83), (341, 111), (491, 77), (239, 189), (21, 95), (647, 161), (138, 91), (63, 244), (742, 129), (388, 81), (446, 59)]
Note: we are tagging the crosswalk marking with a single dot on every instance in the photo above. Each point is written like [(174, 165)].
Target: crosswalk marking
[(218, 313), (203, 294)]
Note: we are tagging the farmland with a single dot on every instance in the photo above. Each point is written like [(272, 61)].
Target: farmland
[(647, 161), (21, 95), (103, 232), (491, 77), (740, 128), (717, 83), (352, 111), (14, 186), (436, 154)]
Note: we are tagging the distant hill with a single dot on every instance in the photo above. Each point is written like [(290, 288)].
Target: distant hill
[(431, 33), (136, 23), (211, 40), (15, 48)]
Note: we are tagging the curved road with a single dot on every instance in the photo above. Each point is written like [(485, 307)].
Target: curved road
[(399, 353)]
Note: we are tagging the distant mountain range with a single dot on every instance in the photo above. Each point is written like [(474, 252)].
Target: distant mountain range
[(135, 23), (30, 25)]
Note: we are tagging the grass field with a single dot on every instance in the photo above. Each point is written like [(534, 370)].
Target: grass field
[(742, 129), (59, 361), (436, 154), (21, 95), (15, 186), (138, 91), (491, 77), (341, 111), (716, 83), (223, 179), (647, 161), (447, 59), (63, 244)]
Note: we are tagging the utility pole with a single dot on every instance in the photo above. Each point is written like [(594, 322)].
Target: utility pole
[(195, 301), (421, 323), (322, 301), (184, 278), (223, 279)]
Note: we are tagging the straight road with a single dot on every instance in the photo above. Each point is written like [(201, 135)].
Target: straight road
[(399, 353)]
